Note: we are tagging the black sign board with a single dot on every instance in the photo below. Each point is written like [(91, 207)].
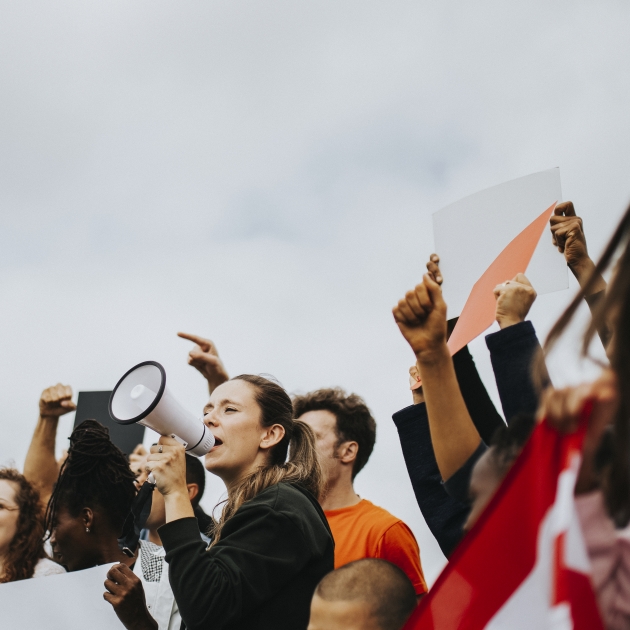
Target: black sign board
[(95, 406)]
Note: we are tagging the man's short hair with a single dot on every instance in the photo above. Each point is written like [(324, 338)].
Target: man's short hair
[(383, 586), (354, 419), (196, 473)]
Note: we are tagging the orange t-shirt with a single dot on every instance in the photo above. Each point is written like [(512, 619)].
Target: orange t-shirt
[(365, 530)]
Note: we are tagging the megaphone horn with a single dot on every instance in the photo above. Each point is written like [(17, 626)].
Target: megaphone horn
[(141, 396)]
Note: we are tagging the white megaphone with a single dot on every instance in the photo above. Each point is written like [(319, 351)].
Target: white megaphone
[(141, 396)]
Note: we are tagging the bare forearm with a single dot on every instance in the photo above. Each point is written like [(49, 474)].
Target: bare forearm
[(453, 433), (178, 505), (583, 272), (40, 466)]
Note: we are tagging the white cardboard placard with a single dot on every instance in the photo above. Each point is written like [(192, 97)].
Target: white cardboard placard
[(469, 234)]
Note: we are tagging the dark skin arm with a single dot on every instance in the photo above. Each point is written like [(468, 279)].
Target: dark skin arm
[(126, 595)]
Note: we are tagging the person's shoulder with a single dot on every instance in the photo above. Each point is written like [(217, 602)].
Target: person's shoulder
[(379, 516), (281, 496), (46, 567)]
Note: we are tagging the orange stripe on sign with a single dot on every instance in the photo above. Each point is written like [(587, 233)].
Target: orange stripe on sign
[(478, 312)]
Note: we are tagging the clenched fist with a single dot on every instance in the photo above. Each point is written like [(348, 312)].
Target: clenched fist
[(205, 358), (56, 401), (514, 299), (421, 317)]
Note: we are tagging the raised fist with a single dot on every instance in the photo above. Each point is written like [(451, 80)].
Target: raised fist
[(56, 401), (205, 358), (514, 299), (421, 316)]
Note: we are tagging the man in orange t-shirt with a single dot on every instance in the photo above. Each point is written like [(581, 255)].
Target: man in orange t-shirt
[(345, 432)]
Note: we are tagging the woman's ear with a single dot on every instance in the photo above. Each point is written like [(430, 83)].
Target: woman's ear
[(87, 518), (272, 436)]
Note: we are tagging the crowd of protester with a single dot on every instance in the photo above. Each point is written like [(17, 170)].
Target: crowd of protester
[(293, 545)]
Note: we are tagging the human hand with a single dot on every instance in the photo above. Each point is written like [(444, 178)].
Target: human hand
[(433, 267), (126, 594), (421, 317), (205, 358), (56, 401), (514, 299), (138, 462), (167, 462), (563, 410), (567, 234)]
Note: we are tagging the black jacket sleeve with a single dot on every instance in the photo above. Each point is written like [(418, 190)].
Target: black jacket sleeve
[(443, 514), (260, 549), (480, 407), (512, 352)]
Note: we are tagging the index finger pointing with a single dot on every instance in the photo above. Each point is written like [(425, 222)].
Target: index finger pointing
[(195, 339)]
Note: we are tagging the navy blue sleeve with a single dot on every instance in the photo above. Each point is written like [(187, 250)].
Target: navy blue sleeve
[(443, 514), (458, 484), (512, 352)]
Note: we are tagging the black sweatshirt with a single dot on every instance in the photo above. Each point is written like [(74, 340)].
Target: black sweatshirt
[(262, 573)]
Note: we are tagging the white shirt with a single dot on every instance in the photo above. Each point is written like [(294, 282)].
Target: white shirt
[(45, 567), (152, 569)]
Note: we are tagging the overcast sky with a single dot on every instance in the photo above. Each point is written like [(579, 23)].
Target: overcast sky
[(264, 174)]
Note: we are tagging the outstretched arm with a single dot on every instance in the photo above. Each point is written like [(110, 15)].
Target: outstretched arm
[(41, 467), (421, 318)]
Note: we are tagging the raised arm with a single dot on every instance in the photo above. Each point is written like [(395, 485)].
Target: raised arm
[(205, 358), (567, 232), (421, 318), (41, 467)]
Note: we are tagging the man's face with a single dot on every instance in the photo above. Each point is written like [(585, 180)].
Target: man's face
[(484, 481), (324, 425), (341, 615)]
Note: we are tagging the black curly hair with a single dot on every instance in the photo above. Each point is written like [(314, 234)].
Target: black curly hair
[(96, 474)]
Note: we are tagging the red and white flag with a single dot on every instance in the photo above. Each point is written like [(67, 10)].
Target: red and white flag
[(524, 563)]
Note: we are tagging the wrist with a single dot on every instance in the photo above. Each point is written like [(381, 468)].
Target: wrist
[(433, 355), (48, 418), (506, 322), (582, 268)]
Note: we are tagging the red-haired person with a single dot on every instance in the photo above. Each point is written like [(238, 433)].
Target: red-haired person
[(22, 553)]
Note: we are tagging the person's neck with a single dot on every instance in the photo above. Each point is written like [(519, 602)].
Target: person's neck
[(339, 494), (109, 551)]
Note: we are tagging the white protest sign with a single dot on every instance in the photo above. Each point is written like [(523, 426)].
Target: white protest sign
[(471, 233), (70, 601)]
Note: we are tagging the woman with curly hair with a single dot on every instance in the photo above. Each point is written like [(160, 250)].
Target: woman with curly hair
[(22, 554)]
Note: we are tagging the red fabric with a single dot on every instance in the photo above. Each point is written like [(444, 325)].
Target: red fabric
[(500, 551)]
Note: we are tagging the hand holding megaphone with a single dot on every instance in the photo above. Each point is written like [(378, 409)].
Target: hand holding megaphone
[(141, 396)]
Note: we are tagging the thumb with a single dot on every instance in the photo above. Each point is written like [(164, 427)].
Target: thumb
[(434, 290), (67, 404)]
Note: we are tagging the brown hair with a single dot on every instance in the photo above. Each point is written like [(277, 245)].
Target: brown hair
[(354, 419), (293, 459), (612, 315), (27, 546)]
